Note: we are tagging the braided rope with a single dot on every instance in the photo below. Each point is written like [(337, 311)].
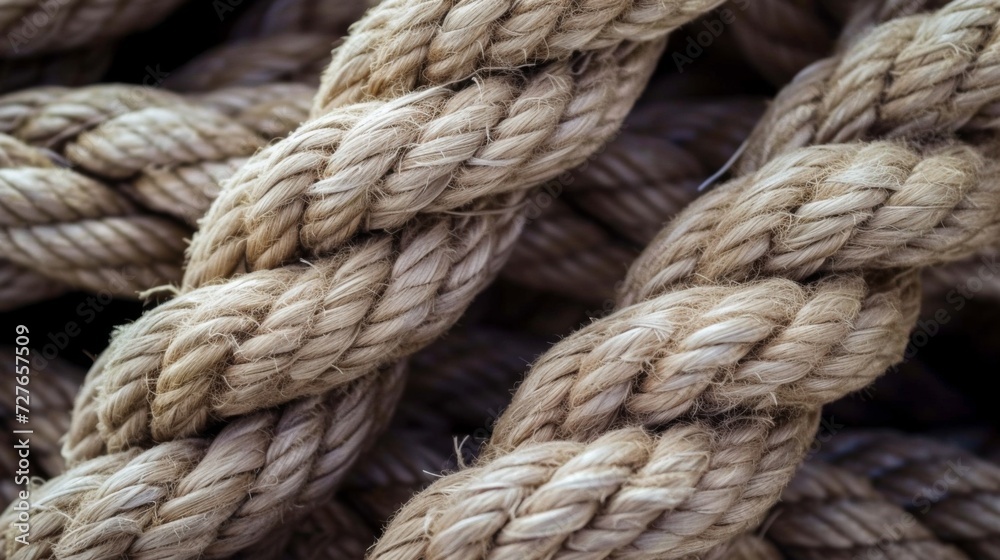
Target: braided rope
[(599, 377), (135, 154), (541, 121)]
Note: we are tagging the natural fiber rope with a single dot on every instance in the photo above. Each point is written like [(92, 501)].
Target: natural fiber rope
[(595, 390), (32, 26), (576, 90), (639, 441), (136, 145)]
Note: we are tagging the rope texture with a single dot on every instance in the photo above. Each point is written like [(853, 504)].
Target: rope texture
[(404, 287)]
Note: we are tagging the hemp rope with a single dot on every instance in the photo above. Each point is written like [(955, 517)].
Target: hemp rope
[(903, 469), (185, 192), (632, 71), (609, 436), (626, 67), (106, 132), (34, 27), (598, 396)]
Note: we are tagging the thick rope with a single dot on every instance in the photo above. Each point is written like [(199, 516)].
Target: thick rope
[(542, 121), (591, 374), (134, 153)]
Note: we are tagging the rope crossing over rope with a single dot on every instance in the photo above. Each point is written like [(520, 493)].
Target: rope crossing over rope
[(667, 429)]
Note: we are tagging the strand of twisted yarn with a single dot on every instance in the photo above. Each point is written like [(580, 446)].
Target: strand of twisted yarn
[(240, 234), (402, 45), (98, 224), (217, 495), (34, 27), (576, 392), (67, 230), (625, 67), (932, 87), (949, 490)]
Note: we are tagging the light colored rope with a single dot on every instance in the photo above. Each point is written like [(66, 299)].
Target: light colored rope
[(585, 385), (564, 110), (133, 153)]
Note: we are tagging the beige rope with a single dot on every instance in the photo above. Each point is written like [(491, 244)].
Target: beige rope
[(519, 145), (582, 101), (78, 232), (170, 155), (591, 374)]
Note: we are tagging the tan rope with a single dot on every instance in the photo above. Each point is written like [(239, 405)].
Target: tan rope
[(583, 386), (135, 145), (542, 121), (736, 464)]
